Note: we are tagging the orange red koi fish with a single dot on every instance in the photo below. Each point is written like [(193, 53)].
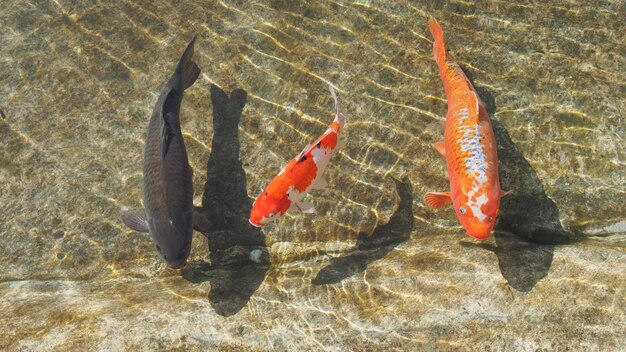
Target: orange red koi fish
[(469, 147), (303, 174)]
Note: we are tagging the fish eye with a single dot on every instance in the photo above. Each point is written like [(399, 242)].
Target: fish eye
[(462, 210), (271, 215), (490, 218)]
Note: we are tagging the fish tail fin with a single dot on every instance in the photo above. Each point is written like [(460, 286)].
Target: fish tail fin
[(339, 117), (334, 95), (439, 46), (187, 68)]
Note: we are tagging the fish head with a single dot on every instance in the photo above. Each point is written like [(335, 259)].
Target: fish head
[(266, 209), (477, 214), (173, 242)]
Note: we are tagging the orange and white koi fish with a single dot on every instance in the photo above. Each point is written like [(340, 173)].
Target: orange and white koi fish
[(469, 147), (301, 175)]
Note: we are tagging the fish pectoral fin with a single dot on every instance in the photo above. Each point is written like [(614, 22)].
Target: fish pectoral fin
[(319, 184), (167, 133), (505, 193), (303, 207), (437, 199), (441, 148), (201, 222), (136, 220)]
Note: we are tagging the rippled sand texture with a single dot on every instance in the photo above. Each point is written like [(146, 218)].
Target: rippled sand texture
[(374, 269)]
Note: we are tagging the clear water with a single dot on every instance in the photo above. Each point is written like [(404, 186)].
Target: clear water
[(374, 269)]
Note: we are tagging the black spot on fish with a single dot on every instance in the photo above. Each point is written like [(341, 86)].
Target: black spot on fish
[(319, 144), (303, 158)]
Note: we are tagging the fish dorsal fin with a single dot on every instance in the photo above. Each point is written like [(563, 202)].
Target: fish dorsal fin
[(171, 103), (473, 106), (301, 156), (167, 133)]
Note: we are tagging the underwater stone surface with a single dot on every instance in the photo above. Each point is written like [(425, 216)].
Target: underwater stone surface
[(374, 268)]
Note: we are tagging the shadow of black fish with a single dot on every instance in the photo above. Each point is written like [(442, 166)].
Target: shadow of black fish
[(238, 254), (377, 245)]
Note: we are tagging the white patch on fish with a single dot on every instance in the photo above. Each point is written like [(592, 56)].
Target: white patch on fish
[(476, 165), (477, 162), (319, 154), (475, 203), (463, 114), (293, 195)]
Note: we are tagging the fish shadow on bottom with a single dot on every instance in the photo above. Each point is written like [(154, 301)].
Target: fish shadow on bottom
[(375, 246), (239, 258), (528, 213)]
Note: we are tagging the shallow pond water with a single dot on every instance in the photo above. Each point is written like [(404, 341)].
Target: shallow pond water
[(374, 269)]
